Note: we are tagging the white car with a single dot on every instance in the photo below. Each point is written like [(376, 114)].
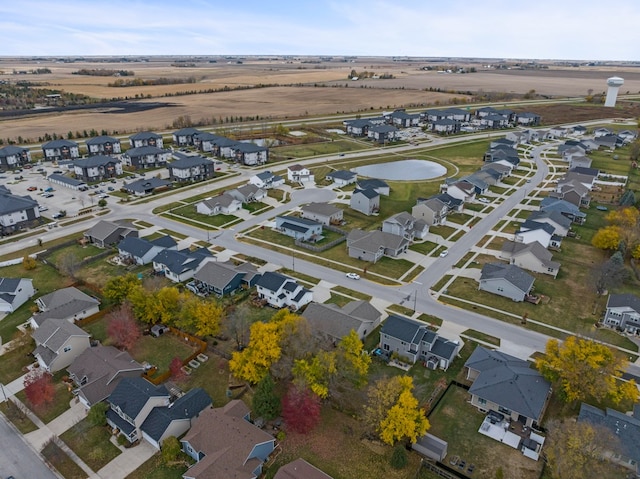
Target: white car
[(353, 276), (444, 253), (42, 208), (483, 200)]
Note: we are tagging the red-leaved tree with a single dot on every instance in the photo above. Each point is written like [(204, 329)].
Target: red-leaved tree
[(123, 329), (300, 409), (177, 373), (39, 388)]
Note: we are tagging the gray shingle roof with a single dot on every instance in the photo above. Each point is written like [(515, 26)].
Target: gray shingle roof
[(624, 300), (189, 162), (272, 281), (59, 144), (325, 209), (146, 184), (332, 320), (94, 161), (509, 272), (404, 329), (65, 179), (131, 395), (144, 150), (101, 140), (509, 382), (11, 150), (217, 274), (180, 261), (145, 135), (300, 469), (10, 203), (374, 183), (54, 333), (367, 193), (342, 175)]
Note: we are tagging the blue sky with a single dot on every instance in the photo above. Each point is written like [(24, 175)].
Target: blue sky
[(558, 29)]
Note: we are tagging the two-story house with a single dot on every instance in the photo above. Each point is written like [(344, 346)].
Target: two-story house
[(365, 201), (266, 180), (432, 211), (141, 250), (299, 174), (58, 343), (185, 136), (179, 266), (69, 304), (342, 178), (373, 245), (281, 291), (405, 225), (324, 213), (299, 228), (623, 312), (222, 278), (14, 292)]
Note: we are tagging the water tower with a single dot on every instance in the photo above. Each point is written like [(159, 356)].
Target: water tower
[(614, 84)]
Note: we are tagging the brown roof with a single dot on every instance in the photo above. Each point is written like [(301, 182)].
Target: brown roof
[(300, 469)]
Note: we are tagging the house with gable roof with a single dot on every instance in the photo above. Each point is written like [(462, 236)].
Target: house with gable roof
[(12, 157), (142, 251), (222, 278), (342, 178), (145, 138), (508, 386), (334, 322), (299, 174), (97, 168), (413, 341), (69, 304), (561, 224), (527, 118), (224, 203), (14, 292), (146, 186), (247, 193), (298, 228), (58, 343), (531, 231), (281, 291), (506, 280), (16, 212), (623, 312), (189, 169), (185, 136), (205, 141), (250, 154), (266, 180), (365, 201), (563, 207), (530, 256), (103, 145), (300, 469), (97, 371), (432, 211), (358, 127), (405, 225), (462, 190), (379, 186), (107, 233), (60, 150), (445, 126), (179, 266), (373, 245), (142, 157), (140, 410), (324, 213), (237, 450)]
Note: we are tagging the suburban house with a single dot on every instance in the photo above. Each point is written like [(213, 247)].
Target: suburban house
[(530, 256), (266, 180), (179, 266), (569, 210), (107, 233), (12, 157), (507, 385), (189, 169), (224, 204), (432, 211), (60, 150), (531, 231), (626, 428), (405, 225), (413, 341), (247, 193), (324, 213), (462, 190), (185, 136), (145, 138), (342, 178), (381, 187), (365, 201), (222, 278), (103, 145), (17, 212), (477, 181), (574, 192), (14, 292), (250, 154), (140, 410), (298, 228), (238, 449), (527, 118), (141, 250), (58, 343), (373, 245), (561, 224), (69, 304), (281, 291), (382, 133), (97, 371), (299, 174), (97, 168), (146, 186), (506, 280), (623, 312), (334, 322), (147, 156), (300, 469)]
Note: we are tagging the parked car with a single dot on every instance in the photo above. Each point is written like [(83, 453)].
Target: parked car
[(444, 253), (42, 208), (353, 276), (111, 188), (57, 172), (483, 200), (32, 188), (47, 195)]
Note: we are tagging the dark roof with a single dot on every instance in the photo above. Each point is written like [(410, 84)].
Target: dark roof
[(186, 132), (342, 175), (59, 144), (218, 274), (624, 300), (185, 407), (627, 428), (145, 150), (444, 348), (131, 395), (189, 162), (509, 272), (145, 135), (93, 161), (248, 147), (372, 183), (583, 170), (180, 261), (165, 241), (367, 192), (10, 203), (272, 281), (11, 150), (509, 382), (146, 184), (65, 179), (554, 216), (140, 246), (100, 140), (9, 285), (402, 328), (529, 225), (563, 206)]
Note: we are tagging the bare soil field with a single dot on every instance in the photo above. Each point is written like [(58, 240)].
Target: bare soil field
[(299, 93)]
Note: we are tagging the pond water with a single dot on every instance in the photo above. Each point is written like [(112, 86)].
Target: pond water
[(403, 170)]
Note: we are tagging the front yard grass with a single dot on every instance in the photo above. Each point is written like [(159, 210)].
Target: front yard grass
[(61, 462), (155, 468), (18, 418), (457, 422), (189, 212), (424, 248), (13, 363), (352, 293), (91, 444), (61, 401)]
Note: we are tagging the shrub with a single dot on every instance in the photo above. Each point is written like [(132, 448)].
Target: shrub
[(399, 457)]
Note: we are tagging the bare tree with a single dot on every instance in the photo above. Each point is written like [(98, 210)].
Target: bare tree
[(236, 325), (609, 274)]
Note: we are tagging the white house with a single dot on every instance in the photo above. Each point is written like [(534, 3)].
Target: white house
[(266, 180), (281, 291), (299, 174), (14, 292), (224, 204)]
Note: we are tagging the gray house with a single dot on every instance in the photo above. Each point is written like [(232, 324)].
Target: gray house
[(69, 304), (299, 228), (180, 265), (432, 211), (324, 213), (222, 278), (146, 156), (405, 225), (532, 257), (103, 145), (373, 245), (381, 187), (563, 207), (507, 385), (145, 138), (107, 233), (366, 201), (58, 343), (335, 322), (413, 341), (506, 280), (60, 150), (12, 156), (17, 212), (342, 178), (185, 136), (623, 312), (141, 250)]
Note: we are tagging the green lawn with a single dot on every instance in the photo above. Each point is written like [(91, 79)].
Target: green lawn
[(13, 363), (18, 418), (155, 468), (351, 292), (320, 148), (61, 462), (472, 333), (160, 351), (60, 404), (212, 376), (91, 444), (425, 247), (189, 212)]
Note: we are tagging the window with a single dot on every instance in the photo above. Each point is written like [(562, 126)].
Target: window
[(482, 402), (385, 347), (504, 410), (67, 349)]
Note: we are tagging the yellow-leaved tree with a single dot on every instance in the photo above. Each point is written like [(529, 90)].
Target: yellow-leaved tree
[(582, 369), (607, 238), (623, 227), (316, 372)]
